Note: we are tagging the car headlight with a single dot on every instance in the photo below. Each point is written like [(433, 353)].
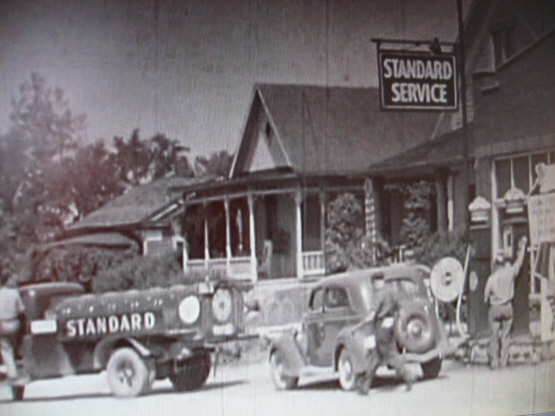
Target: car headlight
[(189, 310), (222, 304)]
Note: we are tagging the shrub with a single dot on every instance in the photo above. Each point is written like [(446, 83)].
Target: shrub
[(75, 263), (141, 272), (441, 244), (347, 246)]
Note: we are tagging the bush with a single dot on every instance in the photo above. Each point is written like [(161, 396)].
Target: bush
[(347, 246), (141, 273), (440, 245), (75, 263)]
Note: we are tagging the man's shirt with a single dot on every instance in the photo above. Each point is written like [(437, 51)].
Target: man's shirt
[(500, 286), (11, 304), (386, 303)]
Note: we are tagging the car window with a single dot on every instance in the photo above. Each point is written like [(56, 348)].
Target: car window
[(317, 299), (336, 297)]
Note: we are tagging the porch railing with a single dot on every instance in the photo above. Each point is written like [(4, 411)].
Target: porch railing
[(313, 263), (239, 267)]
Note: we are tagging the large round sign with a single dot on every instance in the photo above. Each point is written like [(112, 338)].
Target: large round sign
[(447, 279)]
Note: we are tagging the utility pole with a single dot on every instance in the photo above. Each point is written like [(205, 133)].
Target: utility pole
[(464, 130)]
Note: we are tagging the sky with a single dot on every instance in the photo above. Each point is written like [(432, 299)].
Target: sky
[(186, 68)]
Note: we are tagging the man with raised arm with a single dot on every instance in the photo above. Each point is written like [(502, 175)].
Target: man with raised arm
[(499, 293)]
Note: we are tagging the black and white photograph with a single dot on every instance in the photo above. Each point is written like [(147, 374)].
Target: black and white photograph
[(277, 207)]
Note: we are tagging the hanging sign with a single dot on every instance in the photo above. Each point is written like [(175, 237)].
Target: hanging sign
[(417, 80)]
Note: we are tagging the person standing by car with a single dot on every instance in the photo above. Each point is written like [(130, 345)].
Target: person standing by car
[(499, 293), (384, 314), (11, 306)]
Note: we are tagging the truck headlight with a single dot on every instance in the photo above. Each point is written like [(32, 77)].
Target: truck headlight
[(222, 305), (189, 310)]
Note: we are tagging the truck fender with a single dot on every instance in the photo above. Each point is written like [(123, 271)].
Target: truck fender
[(292, 356), (105, 348)]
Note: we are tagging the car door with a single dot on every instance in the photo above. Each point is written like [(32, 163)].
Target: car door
[(326, 322)]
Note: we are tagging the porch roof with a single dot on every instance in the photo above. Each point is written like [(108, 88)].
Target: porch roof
[(444, 152), (331, 130)]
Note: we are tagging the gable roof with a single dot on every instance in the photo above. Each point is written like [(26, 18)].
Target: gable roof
[(332, 130), (137, 205)]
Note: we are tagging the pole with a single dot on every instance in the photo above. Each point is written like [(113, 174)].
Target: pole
[(464, 130)]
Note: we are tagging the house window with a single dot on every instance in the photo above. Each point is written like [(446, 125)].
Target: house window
[(503, 44)]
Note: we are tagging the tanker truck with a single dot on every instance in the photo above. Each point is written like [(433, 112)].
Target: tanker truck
[(136, 336)]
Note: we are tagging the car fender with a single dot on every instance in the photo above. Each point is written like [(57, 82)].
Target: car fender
[(361, 357), (293, 358)]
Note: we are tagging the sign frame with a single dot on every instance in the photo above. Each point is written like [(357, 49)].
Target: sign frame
[(448, 87)]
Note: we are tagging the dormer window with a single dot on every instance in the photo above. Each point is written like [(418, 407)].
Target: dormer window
[(503, 40)]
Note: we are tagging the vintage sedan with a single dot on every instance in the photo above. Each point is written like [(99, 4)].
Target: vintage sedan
[(334, 336)]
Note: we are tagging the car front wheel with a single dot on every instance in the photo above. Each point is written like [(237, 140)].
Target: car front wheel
[(281, 382), (128, 374), (430, 369), (348, 379)]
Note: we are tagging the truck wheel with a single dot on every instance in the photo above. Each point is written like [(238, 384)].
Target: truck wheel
[(18, 392), (193, 373), (281, 382), (348, 379), (128, 374), (430, 369)]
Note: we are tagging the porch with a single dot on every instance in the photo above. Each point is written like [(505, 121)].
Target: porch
[(259, 234)]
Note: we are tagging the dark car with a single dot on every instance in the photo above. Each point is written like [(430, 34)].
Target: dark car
[(137, 336), (335, 338)]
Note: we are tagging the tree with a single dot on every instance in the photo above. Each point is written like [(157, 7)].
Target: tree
[(218, 164), (42, 135), (141, 161)]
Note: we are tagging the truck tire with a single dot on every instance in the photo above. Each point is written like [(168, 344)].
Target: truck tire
[(430, 369), (280, 381), (128, 374), (193, 374), (18, 392)]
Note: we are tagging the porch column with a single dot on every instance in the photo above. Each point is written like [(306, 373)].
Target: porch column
[(252, 238), (206, 242), (370, 210), (450, 203), (323, 200), (299, 232), (441, 200), (227, 237)]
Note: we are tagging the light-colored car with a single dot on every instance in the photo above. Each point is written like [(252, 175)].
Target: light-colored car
[(335, 338)]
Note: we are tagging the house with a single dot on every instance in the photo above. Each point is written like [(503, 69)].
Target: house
[(301, 146), (146, 216)]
